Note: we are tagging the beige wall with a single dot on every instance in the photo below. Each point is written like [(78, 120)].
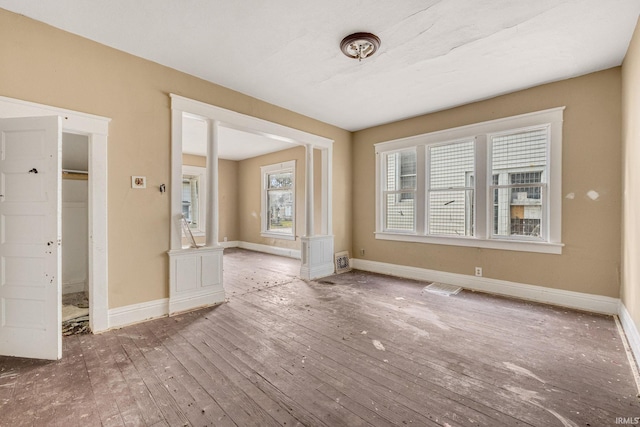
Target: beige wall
[(630, 293), (591, 161), (249, 203), (49, 66)]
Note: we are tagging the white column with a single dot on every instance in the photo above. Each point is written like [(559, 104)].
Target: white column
[(212, 184), (176, 179), (309, 191)]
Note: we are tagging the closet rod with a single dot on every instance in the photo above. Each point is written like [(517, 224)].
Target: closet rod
[(75, 171)]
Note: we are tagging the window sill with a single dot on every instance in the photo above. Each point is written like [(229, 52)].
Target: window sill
[(507, 245), (278, 236)]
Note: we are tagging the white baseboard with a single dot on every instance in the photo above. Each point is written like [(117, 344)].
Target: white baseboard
[(231, 244), (578, 300), (273, 250), (196, 301), (136, 313), (73, 287), (631, 331)]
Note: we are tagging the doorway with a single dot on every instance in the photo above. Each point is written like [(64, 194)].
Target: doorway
[(94, 130), (75, 234), (187, 288)]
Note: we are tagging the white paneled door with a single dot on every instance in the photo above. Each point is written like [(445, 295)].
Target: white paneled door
[(30, 233)]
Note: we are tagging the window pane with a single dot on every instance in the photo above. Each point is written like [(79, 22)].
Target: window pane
[(519, 215), (451, 213), (400, 211), (280, 211), (401, 171), (280, 180), (451, 165), (523, 151), (528, 192), (190, 200), (519, 158)]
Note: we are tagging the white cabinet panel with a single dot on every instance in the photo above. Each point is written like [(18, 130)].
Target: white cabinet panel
[(195, 278)]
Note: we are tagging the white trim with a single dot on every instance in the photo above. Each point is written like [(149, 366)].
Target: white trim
[(507, 245), (631, 331), (239, 121), (230, 244), (482, 133), (136, 313), (470, 131), (256, 247), (577, 300), (194, 301), (97, 128), (73, 121), (273, 250)]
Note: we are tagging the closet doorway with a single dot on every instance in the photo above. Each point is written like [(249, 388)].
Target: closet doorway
[(75, 234), (43, 340)]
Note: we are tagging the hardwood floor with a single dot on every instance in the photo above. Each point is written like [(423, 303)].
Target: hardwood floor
[(350, 350)]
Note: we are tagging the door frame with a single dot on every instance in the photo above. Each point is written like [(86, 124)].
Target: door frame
[(97, 130)]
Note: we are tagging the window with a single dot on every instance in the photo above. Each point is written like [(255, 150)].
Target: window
[(495, 184), (400, 189), (278, 200), (451, 188), (193, 198)]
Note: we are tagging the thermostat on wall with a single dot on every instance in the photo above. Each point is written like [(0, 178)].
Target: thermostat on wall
[(138, 182)]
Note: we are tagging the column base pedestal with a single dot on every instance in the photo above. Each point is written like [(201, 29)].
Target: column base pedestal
[(317, 257)]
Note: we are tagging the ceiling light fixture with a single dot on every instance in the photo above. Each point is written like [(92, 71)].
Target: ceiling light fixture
[(360, 45)]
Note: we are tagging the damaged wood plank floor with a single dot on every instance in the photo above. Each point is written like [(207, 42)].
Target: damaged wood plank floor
[(354, 349)]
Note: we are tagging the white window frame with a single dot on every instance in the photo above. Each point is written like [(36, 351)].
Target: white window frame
[(265, 171), (551, 237), (201, 173), (399, 191), (429, 190)]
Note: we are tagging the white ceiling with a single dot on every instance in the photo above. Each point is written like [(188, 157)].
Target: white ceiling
[(434, 54)]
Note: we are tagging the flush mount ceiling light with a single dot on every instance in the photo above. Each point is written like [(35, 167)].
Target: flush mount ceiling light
[(360, 45)]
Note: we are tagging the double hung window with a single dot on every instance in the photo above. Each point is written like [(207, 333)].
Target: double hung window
[(278, 200), (493, 184)]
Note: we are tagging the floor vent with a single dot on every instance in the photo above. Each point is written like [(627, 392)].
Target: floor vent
[(342, 262), (442, 289)]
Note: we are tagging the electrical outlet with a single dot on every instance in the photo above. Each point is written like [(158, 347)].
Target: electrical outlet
[(479, 271), (362, 252), (225, 238)]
